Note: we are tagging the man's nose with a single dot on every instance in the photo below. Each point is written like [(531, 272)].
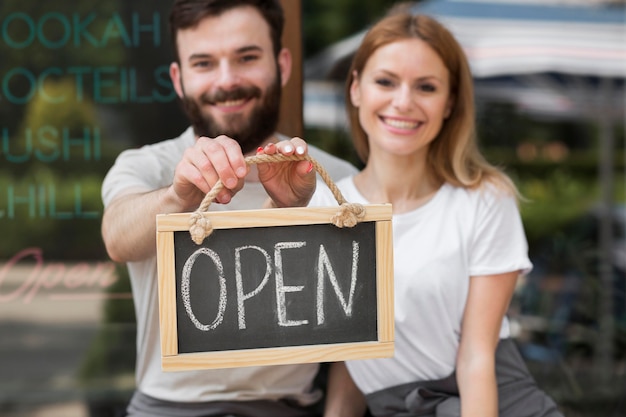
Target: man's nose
[(228, 76)]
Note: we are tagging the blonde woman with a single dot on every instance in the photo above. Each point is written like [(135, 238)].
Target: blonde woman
[(459, 243)]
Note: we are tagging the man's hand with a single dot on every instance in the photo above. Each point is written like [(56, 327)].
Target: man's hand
[(208, 161), (289, 184)]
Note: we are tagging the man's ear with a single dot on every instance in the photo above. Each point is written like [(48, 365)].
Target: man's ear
[(284, 65), (175, 76)]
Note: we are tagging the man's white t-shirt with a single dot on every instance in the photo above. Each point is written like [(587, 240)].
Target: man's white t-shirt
[(152, 167), (458, 234)]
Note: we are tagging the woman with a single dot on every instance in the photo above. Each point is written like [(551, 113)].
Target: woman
[(459, 243)]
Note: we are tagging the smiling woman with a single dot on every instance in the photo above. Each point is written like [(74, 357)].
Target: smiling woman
[(458, 240), (400, 109)]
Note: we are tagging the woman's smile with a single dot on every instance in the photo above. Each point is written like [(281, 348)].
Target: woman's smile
[(400, 125)]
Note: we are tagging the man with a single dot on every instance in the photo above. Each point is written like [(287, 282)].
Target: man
[(229, 71)]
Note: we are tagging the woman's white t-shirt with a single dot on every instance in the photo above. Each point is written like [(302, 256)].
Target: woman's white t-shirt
[(458, 234)]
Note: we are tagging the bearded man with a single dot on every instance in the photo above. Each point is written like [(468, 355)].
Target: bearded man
[(229, 71)]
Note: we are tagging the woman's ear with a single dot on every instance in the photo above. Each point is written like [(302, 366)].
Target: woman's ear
[(449, 107), (355, 91)]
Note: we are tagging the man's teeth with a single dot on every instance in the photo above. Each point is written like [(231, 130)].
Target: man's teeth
[(231, 103)]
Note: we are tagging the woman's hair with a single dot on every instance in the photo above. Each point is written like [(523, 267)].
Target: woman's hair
[(453, 156), (187, 14)]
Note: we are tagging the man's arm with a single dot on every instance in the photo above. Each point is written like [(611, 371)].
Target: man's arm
[(129, 225), (129, 220)]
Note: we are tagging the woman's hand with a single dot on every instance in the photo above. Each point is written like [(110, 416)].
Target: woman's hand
[(289, 184)]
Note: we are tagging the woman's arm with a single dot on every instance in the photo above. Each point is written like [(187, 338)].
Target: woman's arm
[(343, 397), (488, 300)]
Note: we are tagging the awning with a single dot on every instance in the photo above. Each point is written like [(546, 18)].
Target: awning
[(505, 38), (550, 60)]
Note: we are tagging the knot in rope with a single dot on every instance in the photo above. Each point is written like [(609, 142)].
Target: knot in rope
[(348, 215), (199, 227)]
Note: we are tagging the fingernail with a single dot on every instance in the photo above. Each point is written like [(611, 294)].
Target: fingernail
[(288, 148), (310, 168), (300, 150), (225, 199), (259, 149)]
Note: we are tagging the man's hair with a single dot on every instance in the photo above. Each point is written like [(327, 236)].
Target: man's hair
[(187, 14)]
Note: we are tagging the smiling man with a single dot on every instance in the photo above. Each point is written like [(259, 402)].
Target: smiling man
[(229, 71), (229, 77)]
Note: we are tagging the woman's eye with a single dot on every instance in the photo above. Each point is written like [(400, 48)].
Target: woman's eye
[(385, 82), (428, 88)]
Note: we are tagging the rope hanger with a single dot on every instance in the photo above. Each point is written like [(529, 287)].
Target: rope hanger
[(348, 214)]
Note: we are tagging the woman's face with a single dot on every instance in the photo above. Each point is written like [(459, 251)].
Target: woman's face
[(403, 97)]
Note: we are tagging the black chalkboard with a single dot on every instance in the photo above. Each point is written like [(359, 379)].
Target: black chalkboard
[(275, 286)]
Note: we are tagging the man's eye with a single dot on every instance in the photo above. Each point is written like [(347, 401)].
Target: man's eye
[(202, 64), (249, 58)]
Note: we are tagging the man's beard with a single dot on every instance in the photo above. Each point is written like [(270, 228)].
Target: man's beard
[(250, 132)]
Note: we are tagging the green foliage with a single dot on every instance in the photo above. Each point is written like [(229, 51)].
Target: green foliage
[(337, 142), (327, 21), (72, 115), (554, 201)]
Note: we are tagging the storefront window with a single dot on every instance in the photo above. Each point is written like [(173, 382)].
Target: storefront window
[(79, 82)]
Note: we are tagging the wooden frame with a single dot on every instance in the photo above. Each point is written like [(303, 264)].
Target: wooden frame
[(172, 360)]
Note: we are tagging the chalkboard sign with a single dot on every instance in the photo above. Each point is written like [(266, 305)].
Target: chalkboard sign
[(275, 286)]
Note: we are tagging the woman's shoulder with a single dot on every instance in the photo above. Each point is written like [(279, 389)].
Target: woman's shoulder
[(486, 197), (488, 190)]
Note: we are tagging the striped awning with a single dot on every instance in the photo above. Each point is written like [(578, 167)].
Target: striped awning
[(550, 58), (503, 38), (508, 38)]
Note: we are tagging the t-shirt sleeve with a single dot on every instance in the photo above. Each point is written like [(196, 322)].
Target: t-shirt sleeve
[(133, 169), (499, 243)]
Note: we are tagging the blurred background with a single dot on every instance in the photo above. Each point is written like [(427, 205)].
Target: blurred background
[(81, 81)]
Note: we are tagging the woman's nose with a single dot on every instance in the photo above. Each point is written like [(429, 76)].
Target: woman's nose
[(403, 98)]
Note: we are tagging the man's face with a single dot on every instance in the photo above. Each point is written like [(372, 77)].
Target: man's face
[(229, 79)]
